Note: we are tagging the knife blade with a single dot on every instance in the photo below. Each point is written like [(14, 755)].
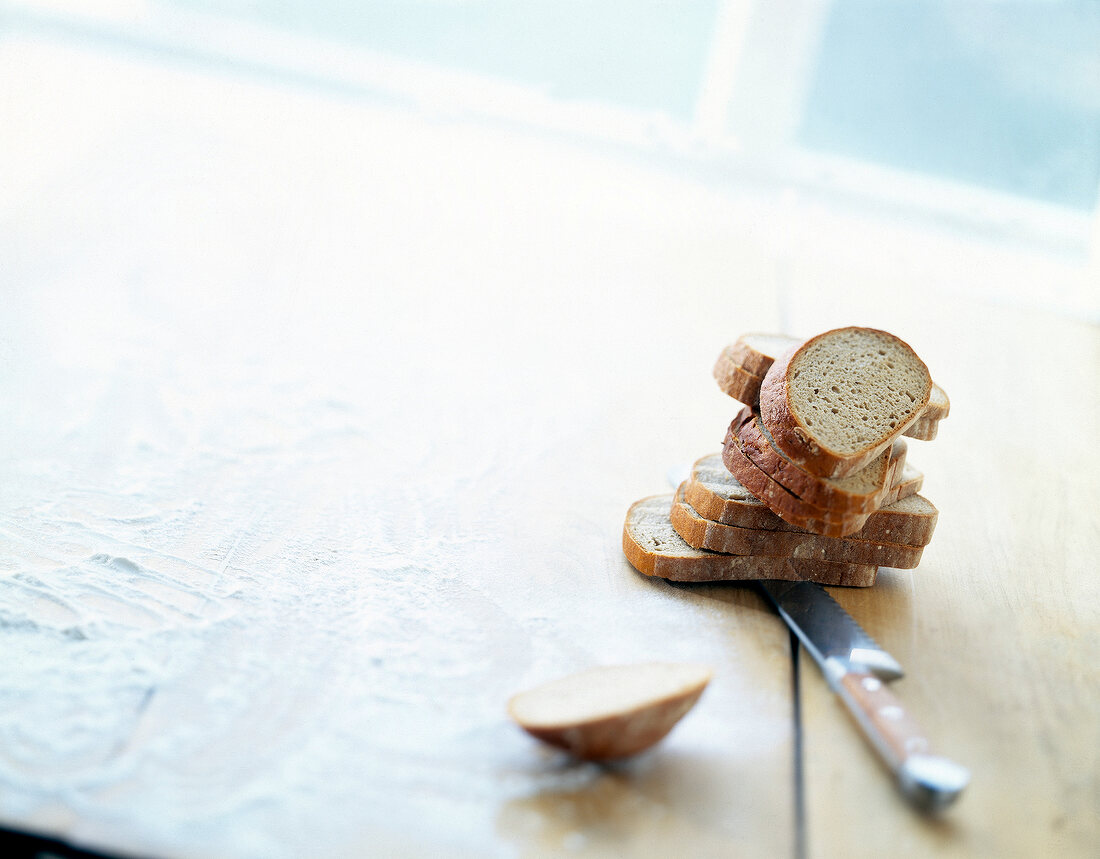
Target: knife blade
[(858, 669)]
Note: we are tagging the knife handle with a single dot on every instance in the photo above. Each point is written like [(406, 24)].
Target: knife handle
[(929, 781)]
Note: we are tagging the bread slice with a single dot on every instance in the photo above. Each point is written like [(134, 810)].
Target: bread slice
[(654, 548), (861, 492), (741, 368), (908, 518), (756, 352), (927, 425), (837, 401), (785, 503), (700, 533), (736, 381)]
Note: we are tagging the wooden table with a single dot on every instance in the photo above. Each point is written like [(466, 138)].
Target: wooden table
[(321, 421)]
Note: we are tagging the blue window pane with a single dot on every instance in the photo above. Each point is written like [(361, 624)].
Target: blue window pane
[(1000, 95)]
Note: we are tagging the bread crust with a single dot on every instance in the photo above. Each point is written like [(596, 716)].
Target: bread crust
[(735, 381), (923, 430), (747, 353), (889, 524), (700, 533), (712, 506), (926, 427), (819, 491), (700, 565), (798, 441), (781, 500), (939, 405)]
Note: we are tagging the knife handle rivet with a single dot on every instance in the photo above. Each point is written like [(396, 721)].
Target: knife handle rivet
[(891, 712), (872, 684)]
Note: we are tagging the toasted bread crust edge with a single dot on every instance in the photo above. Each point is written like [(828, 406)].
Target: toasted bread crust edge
[(700, 533), (753, 360), (818, 491), (884, 525), (735, 380), (715, 566), (780, 500)]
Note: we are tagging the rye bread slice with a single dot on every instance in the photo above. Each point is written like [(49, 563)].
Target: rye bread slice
[(861, 492), (742, 365), (927, 425), (837, 401), (908, 519), (785, 503), (756, 352), (653, 548), (736, 381), (700, 533)]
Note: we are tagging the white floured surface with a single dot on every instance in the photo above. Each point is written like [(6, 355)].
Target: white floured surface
[(301, 397)]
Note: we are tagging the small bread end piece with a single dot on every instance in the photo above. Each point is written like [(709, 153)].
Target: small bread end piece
[(612, 711)]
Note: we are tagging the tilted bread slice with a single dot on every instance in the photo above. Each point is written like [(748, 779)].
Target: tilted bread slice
[(736, 381), (700, 533), (927, 425), (745, 388), (837, 401), (741, 368), (785, 503), (654, 548), (908, 518), (861, 492), (755, 352)]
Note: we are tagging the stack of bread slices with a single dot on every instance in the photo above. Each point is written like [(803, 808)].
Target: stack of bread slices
[(812, 482)]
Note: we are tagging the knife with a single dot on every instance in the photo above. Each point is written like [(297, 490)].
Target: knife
[(858, 669)]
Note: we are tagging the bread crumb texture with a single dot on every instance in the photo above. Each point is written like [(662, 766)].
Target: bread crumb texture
[(856, 386)]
